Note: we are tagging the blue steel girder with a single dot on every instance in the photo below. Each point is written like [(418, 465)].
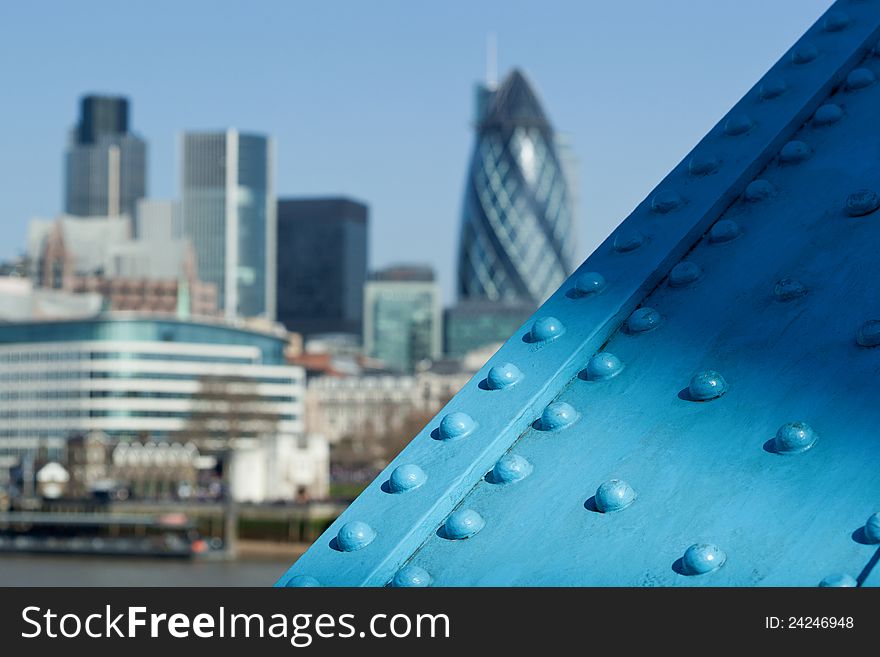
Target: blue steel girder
[(752, 264)]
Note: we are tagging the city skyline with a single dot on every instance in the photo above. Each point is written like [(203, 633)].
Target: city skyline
[(342, 101)]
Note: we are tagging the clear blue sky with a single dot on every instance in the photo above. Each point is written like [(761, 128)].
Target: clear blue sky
[(374, 99)]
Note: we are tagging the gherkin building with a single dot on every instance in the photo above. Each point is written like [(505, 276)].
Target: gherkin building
[(517, 242)]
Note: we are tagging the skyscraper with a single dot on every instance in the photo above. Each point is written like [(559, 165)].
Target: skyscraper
[(322, 264), (517, 219), (228, 211), (105, 164), (403, 323)]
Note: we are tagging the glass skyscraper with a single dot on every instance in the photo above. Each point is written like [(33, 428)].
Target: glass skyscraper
[(517, 242), (228, 211), (105, 164), (322, 264)]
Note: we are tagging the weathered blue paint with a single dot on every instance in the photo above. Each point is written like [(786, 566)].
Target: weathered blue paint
[(406, 477), (411, 577), (503, 376), (354, 535), (614, 495), (707, 474), (510, 468)]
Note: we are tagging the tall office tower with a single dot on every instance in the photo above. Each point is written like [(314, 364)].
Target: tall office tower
[(105, 164), (322, 265), (228, 212), (403, 321), (516, 238)]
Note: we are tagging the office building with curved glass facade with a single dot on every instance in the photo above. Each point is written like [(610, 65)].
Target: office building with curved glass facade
[(134, 377), (517, 242)]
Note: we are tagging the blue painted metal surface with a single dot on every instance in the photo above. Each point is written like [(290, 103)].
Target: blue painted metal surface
[(726, 433)]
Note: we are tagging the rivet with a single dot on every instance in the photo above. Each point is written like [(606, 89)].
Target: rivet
[(835, 21), (758, 190), (642, 320), (738, 124), (603, 366), (302, 581), (827, 114), (788, 289), (804, 53), (590, 282), (859, 78), (794, 438), (456, 425), (872, 528), (503, 376), (772, 88), (794, 151), (862, 202), (666, 200), (406, 477), (839, 580), (684, 273), (627, 239), (511, 468), (411, 577), (546, 328), (463, 523), (614, 495), (702, 558), (869, 333), (354, 535), (557, 415), (703, 165), (707, 385), (724, 230)]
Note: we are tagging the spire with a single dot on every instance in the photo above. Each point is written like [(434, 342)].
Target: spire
[(491, 61)]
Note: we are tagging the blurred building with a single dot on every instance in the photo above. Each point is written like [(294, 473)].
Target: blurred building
[(403, 323), (98, 255), (156, 219), (105, 163), (474, 323), (322, 265), (21, 301), (228, 212), (516, 241), (135, 378)]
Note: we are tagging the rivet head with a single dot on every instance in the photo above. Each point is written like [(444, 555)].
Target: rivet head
[(411, 577), (804, 53), (827, 114), (614, 495), (354, 535), (772, 88), (862, 202), (666, 200), (872, 528), (793, 152), (557, 415), (758, 190), (503, 376), (590, 282), (794, 438), (463, 523), (788, 289), (724, 230), (603, 366), (511, 468), (628, 239), (456, 425), (684, 273), (702, 558), (869, 333), (545, 329), (707, 385), (703, 164), (642, 320), (738, 124), (302, 581), (839, 580), (835, 21), (860, 78), (406, 478)]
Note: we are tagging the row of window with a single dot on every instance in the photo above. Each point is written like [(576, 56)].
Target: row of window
[(16, 395), (32, 414), (165, 376)]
